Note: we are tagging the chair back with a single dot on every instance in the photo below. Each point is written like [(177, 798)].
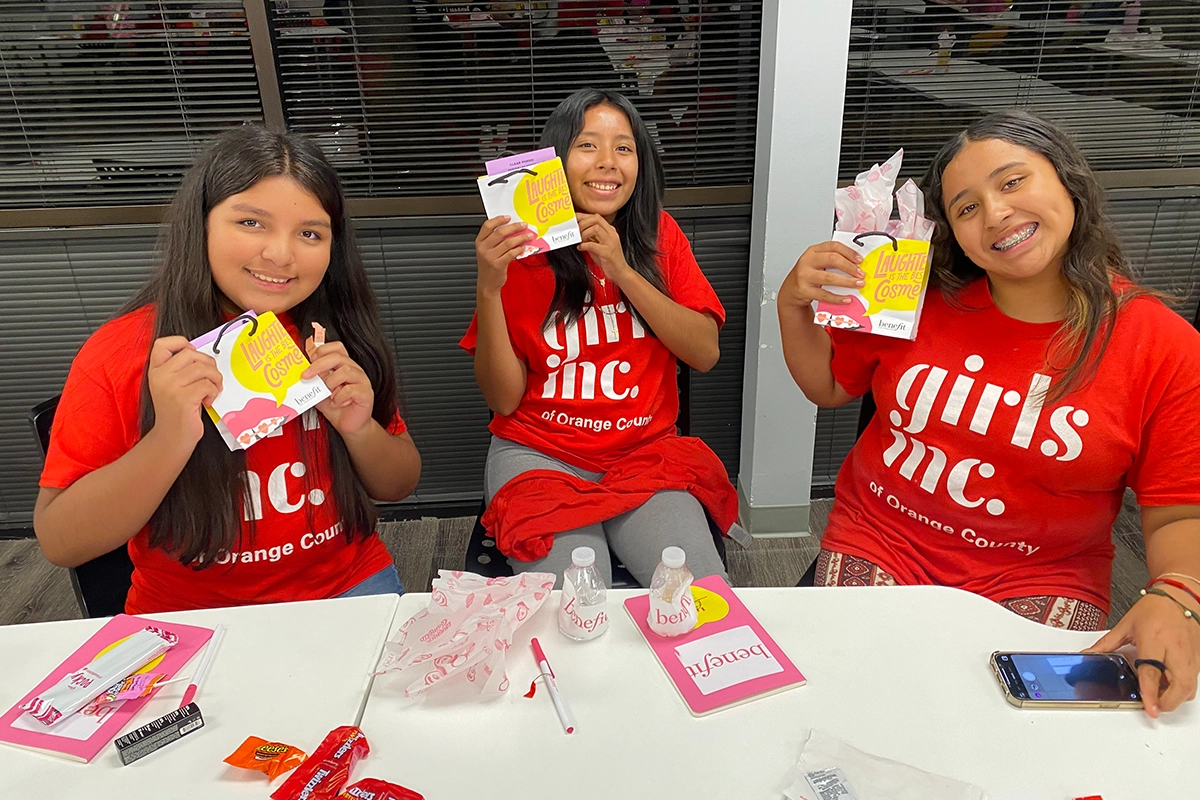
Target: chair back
[(41, 417), (102, 584)]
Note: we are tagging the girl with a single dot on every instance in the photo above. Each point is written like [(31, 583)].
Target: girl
[(575, 352), (1044, 382), (259, 223)]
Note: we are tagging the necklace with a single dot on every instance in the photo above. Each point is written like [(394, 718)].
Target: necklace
[(608, 308)]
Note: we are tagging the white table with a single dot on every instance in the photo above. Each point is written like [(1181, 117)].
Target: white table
[(290, 672), (898, 672)]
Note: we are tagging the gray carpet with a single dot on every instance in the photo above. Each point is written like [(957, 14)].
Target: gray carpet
[(35, 591)]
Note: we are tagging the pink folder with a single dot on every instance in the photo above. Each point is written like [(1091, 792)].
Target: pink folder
[(80, 737), (726, 659)]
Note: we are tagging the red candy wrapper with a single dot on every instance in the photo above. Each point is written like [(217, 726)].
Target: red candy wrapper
[(326, 771), (375, 789)]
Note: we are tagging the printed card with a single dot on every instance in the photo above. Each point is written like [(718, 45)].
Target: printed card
[(498, 166), (726, 659)]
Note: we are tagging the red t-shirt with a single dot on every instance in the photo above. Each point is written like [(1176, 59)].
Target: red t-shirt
[(964, 479), (603, 386), (298, 551)]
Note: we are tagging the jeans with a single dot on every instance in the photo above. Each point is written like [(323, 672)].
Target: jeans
[(386, 581)]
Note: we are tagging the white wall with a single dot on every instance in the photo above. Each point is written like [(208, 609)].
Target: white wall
[(802, 83)]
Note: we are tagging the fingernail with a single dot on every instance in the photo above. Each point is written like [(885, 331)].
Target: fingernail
[(857, 258), (845, 300), (860, 283), (862, 274)]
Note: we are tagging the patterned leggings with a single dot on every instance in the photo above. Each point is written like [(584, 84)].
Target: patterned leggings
[(837, 569)]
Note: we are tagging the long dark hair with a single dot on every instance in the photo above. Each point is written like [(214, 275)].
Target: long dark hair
[(1094, 255), (636, 222), (200, 517)]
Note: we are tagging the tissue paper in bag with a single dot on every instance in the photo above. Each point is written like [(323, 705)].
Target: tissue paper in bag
[(465, 631)]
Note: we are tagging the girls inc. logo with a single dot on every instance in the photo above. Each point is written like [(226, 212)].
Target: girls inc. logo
[(571, 378), (1065, 443)]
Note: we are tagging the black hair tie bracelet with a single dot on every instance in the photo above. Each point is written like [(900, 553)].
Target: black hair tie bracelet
[(1187, 612), (1150, 662)]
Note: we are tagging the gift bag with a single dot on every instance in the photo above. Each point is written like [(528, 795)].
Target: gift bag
[(895, 255), (537, 195), (261, 367), (461, 637)]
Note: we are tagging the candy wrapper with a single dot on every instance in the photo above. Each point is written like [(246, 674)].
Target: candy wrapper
[(324, 774), (273, 758), (375, 789), (895, 254), (465, 632), (128, 689)]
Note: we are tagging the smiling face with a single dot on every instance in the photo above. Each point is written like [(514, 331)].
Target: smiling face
[(268, 247), (602, 165), (1008, 210)]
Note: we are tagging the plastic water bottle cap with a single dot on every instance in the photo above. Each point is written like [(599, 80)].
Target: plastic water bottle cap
[(673, 557), (583, 556)]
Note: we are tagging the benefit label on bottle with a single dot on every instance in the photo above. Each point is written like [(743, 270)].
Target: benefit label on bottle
[(668, 618), (579, 621)]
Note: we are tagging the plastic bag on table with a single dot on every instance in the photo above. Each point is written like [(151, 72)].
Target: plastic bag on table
[(830, 769), (465, 631)]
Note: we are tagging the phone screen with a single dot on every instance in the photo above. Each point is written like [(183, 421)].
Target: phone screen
[(1069, 676)]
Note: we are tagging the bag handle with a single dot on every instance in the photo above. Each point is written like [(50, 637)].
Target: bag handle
[(243, 318), (895, 244), (504, 178)]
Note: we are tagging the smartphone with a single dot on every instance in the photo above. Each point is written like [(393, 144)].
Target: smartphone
[(1067, 680)]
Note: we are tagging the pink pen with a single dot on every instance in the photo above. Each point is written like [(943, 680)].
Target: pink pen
[(548, 674), (209, 650)]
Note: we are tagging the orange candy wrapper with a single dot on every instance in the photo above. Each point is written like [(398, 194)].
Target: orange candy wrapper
[(328, 770), (273, 758)]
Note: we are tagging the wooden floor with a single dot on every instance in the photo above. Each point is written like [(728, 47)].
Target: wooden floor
[(35, 591)]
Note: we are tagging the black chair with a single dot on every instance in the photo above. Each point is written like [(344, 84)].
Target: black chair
[(102, 584), (865, 412)]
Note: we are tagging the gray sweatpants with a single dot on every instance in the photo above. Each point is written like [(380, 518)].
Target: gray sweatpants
[(637, 537)]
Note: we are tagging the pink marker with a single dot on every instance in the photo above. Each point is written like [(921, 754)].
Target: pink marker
[(548, 674)]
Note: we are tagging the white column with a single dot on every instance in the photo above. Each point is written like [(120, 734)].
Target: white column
[(802, 83)]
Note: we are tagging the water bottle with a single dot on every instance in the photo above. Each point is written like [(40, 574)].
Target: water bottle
[(672, 610), (583, 614)]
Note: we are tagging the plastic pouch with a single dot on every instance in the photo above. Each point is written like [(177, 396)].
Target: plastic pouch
[(83, 685), (830, 769)]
